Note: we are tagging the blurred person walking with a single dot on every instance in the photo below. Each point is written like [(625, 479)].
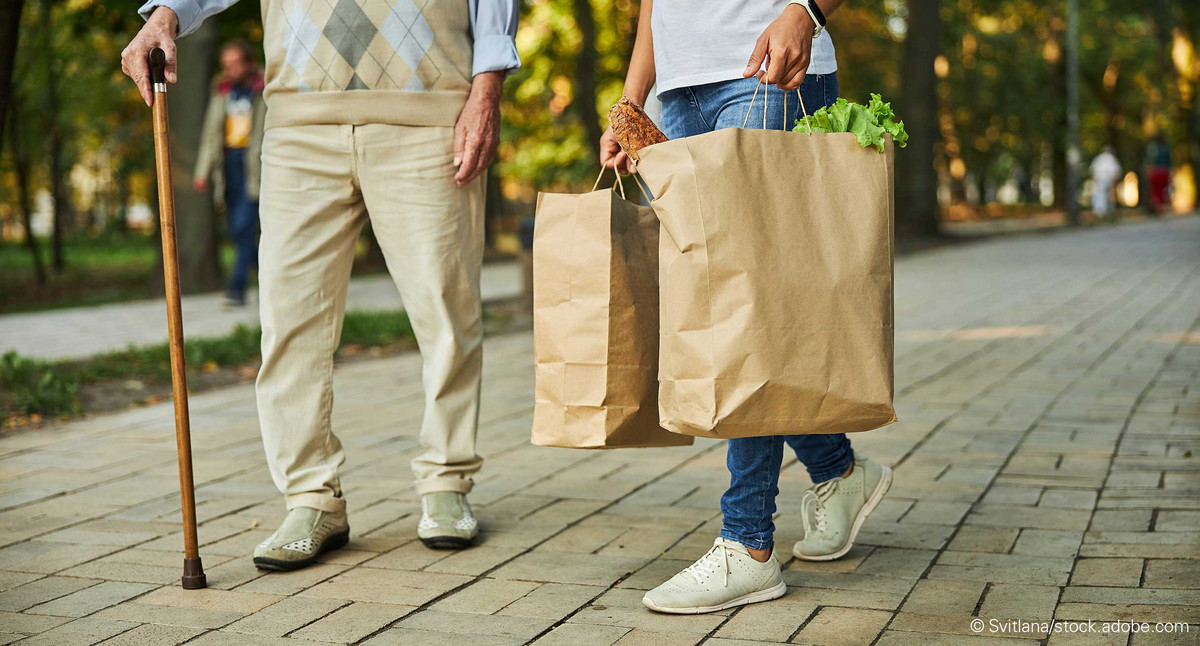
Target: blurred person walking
[(374, 109), (1106, 170), (706, 57), (229, 159), (1158, 174)]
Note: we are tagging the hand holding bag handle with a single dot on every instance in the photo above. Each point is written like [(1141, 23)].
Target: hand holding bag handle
[(765, 95), (617, 183)]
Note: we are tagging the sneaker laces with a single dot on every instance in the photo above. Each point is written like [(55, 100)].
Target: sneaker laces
[(706, 565), (814, 499)]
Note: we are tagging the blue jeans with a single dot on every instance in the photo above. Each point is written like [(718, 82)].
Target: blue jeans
[(754, 462), (242, 221)]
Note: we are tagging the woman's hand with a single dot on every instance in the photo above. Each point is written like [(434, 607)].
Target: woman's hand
[(786, 46), (611, 154)]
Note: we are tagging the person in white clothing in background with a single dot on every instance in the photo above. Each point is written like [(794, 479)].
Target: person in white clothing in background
[(1106, 170)]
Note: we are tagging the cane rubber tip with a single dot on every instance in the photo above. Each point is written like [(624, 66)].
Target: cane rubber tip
[(193, 575)]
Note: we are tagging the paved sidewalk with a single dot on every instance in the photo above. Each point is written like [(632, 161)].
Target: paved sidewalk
[(86, 331), (1046, 467)]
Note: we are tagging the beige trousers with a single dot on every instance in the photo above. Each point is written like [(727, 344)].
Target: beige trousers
[(320, 183)]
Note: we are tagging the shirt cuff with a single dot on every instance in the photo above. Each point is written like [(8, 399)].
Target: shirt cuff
[(186, 11), (495, 54)]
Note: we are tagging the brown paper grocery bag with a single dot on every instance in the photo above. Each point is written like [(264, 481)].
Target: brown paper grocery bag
[(776, 270), (595, 323)]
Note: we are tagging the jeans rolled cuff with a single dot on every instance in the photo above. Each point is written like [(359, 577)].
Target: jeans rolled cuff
[(834, 471), (752, 543), (319, 501), (444, 483)]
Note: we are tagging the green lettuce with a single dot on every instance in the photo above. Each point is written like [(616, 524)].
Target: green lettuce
[(869, 123)]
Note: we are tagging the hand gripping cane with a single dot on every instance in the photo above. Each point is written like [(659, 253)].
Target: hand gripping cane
[(193, 571)]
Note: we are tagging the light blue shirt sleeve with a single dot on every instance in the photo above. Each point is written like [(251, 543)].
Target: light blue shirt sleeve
[(189, 12), (494, 27)]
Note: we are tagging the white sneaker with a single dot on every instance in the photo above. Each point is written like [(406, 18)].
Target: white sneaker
[(834, 510), (725, 577)]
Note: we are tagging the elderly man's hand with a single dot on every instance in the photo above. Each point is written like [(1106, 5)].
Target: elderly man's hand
[(477, 133), (159, 31)]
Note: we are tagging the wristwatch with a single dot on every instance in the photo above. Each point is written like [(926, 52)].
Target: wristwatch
[(815, 12)]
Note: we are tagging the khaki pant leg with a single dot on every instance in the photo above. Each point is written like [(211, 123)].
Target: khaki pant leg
[(311, 214), (431, 234)]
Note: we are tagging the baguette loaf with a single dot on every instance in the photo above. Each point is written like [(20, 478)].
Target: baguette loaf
[(632, 128)]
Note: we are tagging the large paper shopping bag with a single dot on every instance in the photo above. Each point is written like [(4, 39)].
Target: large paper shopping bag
[(595, 311), (776, 271)]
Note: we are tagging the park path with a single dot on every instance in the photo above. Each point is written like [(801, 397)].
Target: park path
[(1047, 466), (87, 331)]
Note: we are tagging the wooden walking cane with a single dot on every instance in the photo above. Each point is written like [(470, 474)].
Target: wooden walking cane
[(193, 570)]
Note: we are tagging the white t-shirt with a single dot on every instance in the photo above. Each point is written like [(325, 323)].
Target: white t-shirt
[(706, 41)]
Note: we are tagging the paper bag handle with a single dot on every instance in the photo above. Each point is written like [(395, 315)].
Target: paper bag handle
[(617, 183), (766, 94)]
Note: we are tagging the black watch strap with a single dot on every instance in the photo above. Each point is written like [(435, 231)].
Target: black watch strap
[(812, 4)]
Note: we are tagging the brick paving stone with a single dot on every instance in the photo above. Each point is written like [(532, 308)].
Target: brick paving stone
[(474, 562), (1108, 572), (901, 638), (1046, 388), (552, 601), (524, 628), (92, 599), (1132, 595), (896, 563), (1048, 542), (556, 567), (575, 634), (397, 587), (1023, 602), (1073, 611), (80, 632), (170, 615), (222, 638), (641, 637), (153, 635), (407, 637), (766, 622), (848, 626), (210, 599), (41, 591), (281, 618), (285, 583), (1127, 520), (955, 598), (14, 622), (1176, 521), (486, 596), (1173, 574), (1175, 638), (352, 623), (970, 538), (911, 624), (1111, 638), (13, 579)]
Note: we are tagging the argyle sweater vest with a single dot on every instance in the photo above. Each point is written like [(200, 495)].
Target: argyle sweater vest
[(405, 62)]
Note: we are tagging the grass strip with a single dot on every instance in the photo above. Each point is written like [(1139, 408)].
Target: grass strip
[(31, 387)]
